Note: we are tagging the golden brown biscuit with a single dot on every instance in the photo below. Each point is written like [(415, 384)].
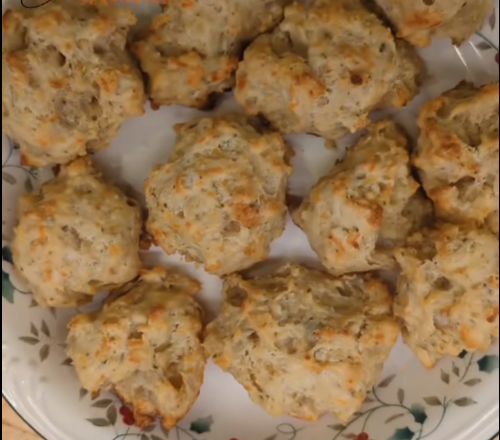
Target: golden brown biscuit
[(368, 202), (67, 81), (458, 154), (325, 68), (220, 199), (302, 342), (191, 51), (77, 236), (419, 20), (447, 297), (146, 345)]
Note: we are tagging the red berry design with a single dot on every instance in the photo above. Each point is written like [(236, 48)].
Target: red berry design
[(128, 416), (363, 436), (129, 421)]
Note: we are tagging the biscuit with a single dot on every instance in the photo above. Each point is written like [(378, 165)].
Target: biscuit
[(447, 296), (325, 68), (146, 346), (191, 51), (419, 21), (458, 154), (77, 236), (365, 205), (302, 342), (220, 199), (67, 81)]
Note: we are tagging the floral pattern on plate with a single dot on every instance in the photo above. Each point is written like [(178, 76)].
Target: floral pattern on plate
[(409, 403)]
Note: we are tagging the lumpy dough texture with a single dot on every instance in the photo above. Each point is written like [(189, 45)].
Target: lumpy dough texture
[(458, 154), (67, 81), (145, 345), (77, 236), (365, 205), (220, 199), (325, 68), (191, 51), (447, 299), (419, 20), (302, 342)]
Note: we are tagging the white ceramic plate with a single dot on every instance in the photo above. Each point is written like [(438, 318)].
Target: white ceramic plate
[(459, 400)]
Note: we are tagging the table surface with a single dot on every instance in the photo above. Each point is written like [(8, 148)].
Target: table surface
[(13, 428)]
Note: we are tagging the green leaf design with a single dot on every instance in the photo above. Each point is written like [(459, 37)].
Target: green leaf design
[(102, 403), (401, 396), (456, 370), (67, 363), (29, 340), (418, 413), (165, 431), (273, 437), (45, 329), (34, 331), (393, 418), (155, 437), (28, 185), (144, 437), (463, 355), (112, 415), (44, 353), (33, 303), (465, 401), (493, 20), (387, 381), (7, 255), (473, 382), (403, 434), (7, 288), (445, 377), (149, 428), (350, 436), (338, 427), (99, 423), (83, 393), (9, 178), (489, 364), (483, 45), (203, 425), (433, 401)]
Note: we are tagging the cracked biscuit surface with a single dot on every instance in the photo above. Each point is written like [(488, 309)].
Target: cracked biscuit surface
[(325, 68), (302, 342), (458, 154), (145, 345), (418, 21), (365, 205), (77, 236), (67, 81), (220, 199), (447, 296), (191, 51)]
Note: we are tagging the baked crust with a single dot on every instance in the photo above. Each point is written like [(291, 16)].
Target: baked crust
[(302, 342), (220, 199), (325, 68), (67, 81), (191, 51), (458, 154), (419, 21), (145, 345), (368, 203), (447, 298), (77, 236)]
